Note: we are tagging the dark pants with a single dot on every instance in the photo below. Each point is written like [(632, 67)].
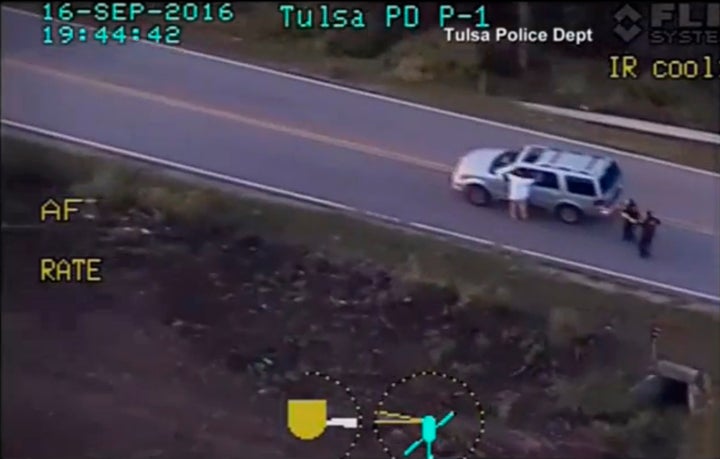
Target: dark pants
[(628, 232), (644, 247)]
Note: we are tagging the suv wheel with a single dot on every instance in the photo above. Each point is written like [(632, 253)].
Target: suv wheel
[(477, 195), (568, 214)]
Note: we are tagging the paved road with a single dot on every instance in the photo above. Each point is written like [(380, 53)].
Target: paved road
[(316, 140)]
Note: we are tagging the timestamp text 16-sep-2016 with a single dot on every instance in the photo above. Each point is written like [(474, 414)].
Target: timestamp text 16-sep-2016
[(120, 22)]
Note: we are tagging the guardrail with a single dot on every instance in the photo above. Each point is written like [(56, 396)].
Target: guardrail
[(475, 243), (664, 130)]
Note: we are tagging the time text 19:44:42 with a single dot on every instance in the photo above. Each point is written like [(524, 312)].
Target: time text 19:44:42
[(66, 34)]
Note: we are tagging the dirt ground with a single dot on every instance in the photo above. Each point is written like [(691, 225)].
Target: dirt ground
[(194, 341)]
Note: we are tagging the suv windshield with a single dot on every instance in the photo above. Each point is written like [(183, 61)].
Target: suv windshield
[(610, 177)]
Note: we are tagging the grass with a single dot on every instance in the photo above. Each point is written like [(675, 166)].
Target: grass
[(482, 278)]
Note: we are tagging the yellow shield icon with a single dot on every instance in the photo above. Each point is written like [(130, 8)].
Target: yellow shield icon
[(307, 419)]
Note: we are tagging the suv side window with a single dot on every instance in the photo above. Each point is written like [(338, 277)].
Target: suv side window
[(546, 179), (525, 170), (580, 186)]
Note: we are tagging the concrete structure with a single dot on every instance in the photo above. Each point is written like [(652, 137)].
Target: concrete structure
[(664, 130)]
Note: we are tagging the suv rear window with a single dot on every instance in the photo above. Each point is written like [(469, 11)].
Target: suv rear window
[(580, 186), (610, 177)]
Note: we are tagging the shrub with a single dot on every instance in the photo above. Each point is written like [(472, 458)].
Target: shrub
[(597, 396), (701, 435), (198, 208), (115, 186), (430, 56), (657, 93), (26, 165), (564, 325), (647, 434), (361, 44)]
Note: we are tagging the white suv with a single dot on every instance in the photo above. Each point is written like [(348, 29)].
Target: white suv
[(569, 184)]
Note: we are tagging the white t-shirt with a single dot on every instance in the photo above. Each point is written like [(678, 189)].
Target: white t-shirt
[(519, 187)]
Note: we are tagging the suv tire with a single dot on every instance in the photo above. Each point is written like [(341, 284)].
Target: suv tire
[(477, 195), (569, 214)]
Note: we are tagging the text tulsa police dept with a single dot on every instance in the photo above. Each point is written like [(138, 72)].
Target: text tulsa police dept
[(521, 35)]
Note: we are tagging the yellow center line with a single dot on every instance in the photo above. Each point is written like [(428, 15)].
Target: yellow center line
[(267, 125), (231, 116)]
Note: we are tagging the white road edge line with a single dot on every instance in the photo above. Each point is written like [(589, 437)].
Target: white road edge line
[(342, 207), (566, 262), (406, 103), (181, 167)]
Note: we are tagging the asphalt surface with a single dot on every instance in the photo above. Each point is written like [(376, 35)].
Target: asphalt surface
[(315, 140)]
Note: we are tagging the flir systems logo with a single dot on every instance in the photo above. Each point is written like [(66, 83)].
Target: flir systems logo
[(670, 23)]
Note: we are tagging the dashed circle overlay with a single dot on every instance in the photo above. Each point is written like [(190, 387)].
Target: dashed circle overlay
[(353, 400), (476, 441)]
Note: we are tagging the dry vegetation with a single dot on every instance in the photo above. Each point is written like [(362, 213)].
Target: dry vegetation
[(215, 303)]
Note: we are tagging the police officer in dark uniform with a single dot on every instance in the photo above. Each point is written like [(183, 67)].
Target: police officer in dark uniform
[(631, 217), (647, 233)]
